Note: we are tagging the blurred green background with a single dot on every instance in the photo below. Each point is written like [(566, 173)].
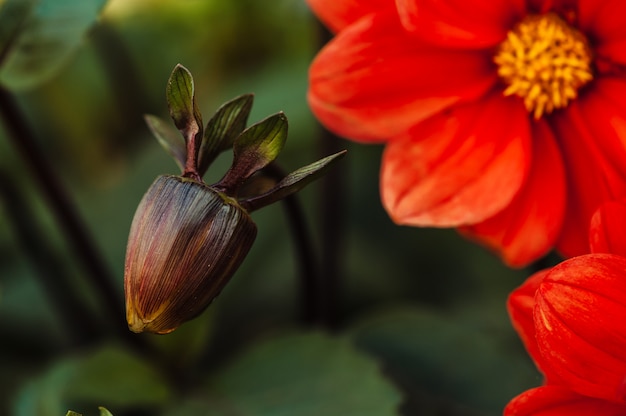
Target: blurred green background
[(413, 323)]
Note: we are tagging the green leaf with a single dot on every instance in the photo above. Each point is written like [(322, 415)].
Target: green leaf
[(457, 367), (222, 129), (38, 37), (293, 182), (254, 149), (104, 412), (182, 105), (169, 138), (297, 375), (108, 375)]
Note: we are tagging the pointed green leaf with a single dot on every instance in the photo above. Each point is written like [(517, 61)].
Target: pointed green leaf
[(169, 138), (293, 182), (104, 412), (254, 149), (222, 129), (72, 413), (182, 104), (38, 37)]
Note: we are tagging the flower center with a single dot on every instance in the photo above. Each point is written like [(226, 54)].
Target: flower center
[(545, 61)]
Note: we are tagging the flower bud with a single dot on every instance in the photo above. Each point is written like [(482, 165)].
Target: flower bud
[(188, 238), (185, 243)]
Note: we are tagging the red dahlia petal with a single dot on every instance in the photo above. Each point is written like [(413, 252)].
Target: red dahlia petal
[(459, 167), (579, 324), (606, 234), (373, 82), (560, 401), (520, 305), (460, 23), (603, 21), (339, 14), (592, 136), (530, 225)]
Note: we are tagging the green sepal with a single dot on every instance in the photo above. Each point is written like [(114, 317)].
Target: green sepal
[(292, 183), (253, 150), (169, 138), (226, 124), (182, 105)]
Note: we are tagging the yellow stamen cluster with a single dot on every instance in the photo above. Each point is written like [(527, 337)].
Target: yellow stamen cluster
[(544, 61)]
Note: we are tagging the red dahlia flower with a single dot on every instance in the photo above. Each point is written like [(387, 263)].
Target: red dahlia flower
[(571, 320), (497, 115)]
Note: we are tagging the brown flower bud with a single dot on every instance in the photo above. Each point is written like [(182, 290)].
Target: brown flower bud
[(185, 243), (188, 238)]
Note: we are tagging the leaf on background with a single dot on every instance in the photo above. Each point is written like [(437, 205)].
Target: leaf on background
[(254, 149), (38, 37), (470, 371), (298, 375), (223, 128), (170, 139), (109, 375), (189, 342), (104, 412), (293, 182), (181, 101)]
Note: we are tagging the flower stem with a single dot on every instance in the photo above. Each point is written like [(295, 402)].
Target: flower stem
[(308, 270), (62, 209), (332, 201), (50, 269)]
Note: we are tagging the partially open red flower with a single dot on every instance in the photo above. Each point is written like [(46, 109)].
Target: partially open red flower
[(560, 401), (496, 114), (571, 320)]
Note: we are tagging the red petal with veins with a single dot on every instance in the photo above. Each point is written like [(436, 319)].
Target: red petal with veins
[(528, 228), (560, 401), (603, 22), (592, 137), (374, 81), (469, 24), (520, 305), (459, 167), (606, 234), (579, 319), (337, 15)]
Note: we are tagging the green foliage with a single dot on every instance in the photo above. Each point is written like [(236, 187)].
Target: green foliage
[(170, 139), (38, 37), (254, 149), (447, 361), (103, 412), (293, 182), (306, 374), (181, 101), (223, 128), (108, 375)]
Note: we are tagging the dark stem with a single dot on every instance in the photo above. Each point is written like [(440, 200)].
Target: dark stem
[(63, 210), (193, 141), (332, 201), (305, 256), (51, 271)]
